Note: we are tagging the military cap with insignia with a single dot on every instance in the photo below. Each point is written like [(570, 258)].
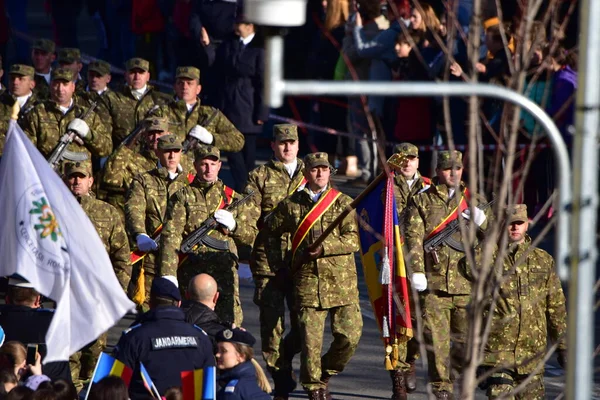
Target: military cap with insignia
[(68, 55), (447, 159), (62, 74), (407, 149), (283, 132), (317, 160), (188, 73), (154, 124), (80, 167), (236, 335), (169, 142), (44, 45), (137, 63), (517, 213), (204, 151), (21, 69), (99, 66)]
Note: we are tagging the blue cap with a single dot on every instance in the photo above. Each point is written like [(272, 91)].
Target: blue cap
[(236, 335), (164, 286)]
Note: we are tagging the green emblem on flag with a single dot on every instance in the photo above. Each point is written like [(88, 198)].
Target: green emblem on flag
[(48, 223)]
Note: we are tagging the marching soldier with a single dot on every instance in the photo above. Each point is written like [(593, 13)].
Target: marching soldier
[(70, 58), (42, 56), (131, 105), (531, 308), (324, 281), (106, 220), (147, 204), (20, 89), (271, 183), (188, 117), (48, 121), (126, 163), (189, 207), (98, 77), (446, 292)]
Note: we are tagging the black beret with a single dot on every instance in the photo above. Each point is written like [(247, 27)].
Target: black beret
[(236, 336)]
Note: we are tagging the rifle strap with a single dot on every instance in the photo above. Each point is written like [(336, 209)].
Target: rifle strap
[(462, 206)]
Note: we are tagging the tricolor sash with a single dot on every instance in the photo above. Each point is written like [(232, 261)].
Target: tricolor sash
[(325, 202), (462, 206)]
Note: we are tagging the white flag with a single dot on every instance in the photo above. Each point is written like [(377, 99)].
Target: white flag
[(46, 237)]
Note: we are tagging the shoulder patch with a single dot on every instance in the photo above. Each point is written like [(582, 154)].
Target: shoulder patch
[(230, 388), (126, 331), (201, 330)]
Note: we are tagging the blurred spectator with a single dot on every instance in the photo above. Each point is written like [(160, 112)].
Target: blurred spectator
[(148, 25), (121, 39), (12, 356), (16, 26), (2, 88), (8, 380), (239, 73), (64, 390), (4, 37), (109, 388), (97, 11), (173, 393), (43, 394), (64, 21), (19, 393), (562, 102)]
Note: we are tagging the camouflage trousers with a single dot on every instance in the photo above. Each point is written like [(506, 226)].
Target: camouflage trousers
[(278, 352), (346, 327), (223, 268), (503, 384), (445, 328), (83, 362)]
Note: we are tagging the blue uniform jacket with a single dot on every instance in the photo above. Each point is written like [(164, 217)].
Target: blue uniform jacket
[(166, 345), (239, 383)]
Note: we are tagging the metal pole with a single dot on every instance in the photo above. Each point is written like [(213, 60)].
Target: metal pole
[(585, 205), (276, 88)]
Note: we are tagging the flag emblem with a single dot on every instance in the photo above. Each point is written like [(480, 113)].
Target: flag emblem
[(47, 221)]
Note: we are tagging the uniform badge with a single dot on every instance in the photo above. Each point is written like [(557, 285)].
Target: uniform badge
[(227, 334)]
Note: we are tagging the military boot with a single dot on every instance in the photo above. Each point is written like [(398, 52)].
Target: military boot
[(325, 379), (399, 385), (443, 395), (318, 394), (410, 377)]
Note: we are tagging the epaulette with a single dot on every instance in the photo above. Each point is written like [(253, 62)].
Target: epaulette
[(126, 331), (230, 388), (426, 180), (201, 330)]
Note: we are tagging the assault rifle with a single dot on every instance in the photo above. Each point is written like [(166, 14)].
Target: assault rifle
[(432, 244), (59, 151), (190, 142), (200, 235)]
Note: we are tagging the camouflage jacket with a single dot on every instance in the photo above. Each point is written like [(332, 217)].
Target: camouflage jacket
[(423, 214), (404, 194), (126, 112), (331, 280), (46, 124), (87, 98), (531, 307), (110, 228), (147, 200), (6, 104), (186, 212), (225, 134), (42, 88), (270, 183)]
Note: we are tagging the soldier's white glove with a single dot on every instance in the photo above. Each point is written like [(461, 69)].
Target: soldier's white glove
[(226, 219), (478, 217), (200, 133), (80, 127), (145, 243), (419, 281)]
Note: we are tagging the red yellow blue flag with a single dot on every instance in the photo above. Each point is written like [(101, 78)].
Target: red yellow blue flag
[(199, 384), (148, 384), (110, 366)]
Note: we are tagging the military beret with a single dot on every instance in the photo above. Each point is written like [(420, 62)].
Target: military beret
[(203, 152), (45, 45), (166, 287), (169, 142), (407, 149), (99, 66), (63, 74), (80, 167), (236, 335), (447, 159), (156, 124), (68, 55), (137, 63), (316, 160), (282, 132), (517, 213), (188, 73), (21, 69)]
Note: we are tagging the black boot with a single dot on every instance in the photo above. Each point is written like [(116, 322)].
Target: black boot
[(399, 385), (443, 395), (285, 383), (325, 379), (410, 377), (318, 394)]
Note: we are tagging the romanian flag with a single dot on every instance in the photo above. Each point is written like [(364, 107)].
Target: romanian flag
[(383, 266), (110, 366), (200, 384), (148, 384)]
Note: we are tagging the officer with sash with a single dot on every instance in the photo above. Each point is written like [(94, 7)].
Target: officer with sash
[(445, 292), (324, 280), (206, 196), (272, 182)]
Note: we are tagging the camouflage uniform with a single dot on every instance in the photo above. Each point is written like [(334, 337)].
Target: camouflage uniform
[(7, 101), (271, 183), (46, 124), (146, 207), (103, 68), (225, 135), (125, 111), (326, 286), (186, 212), (42, 87), (448, 291), (69, 55), (531, 307)]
